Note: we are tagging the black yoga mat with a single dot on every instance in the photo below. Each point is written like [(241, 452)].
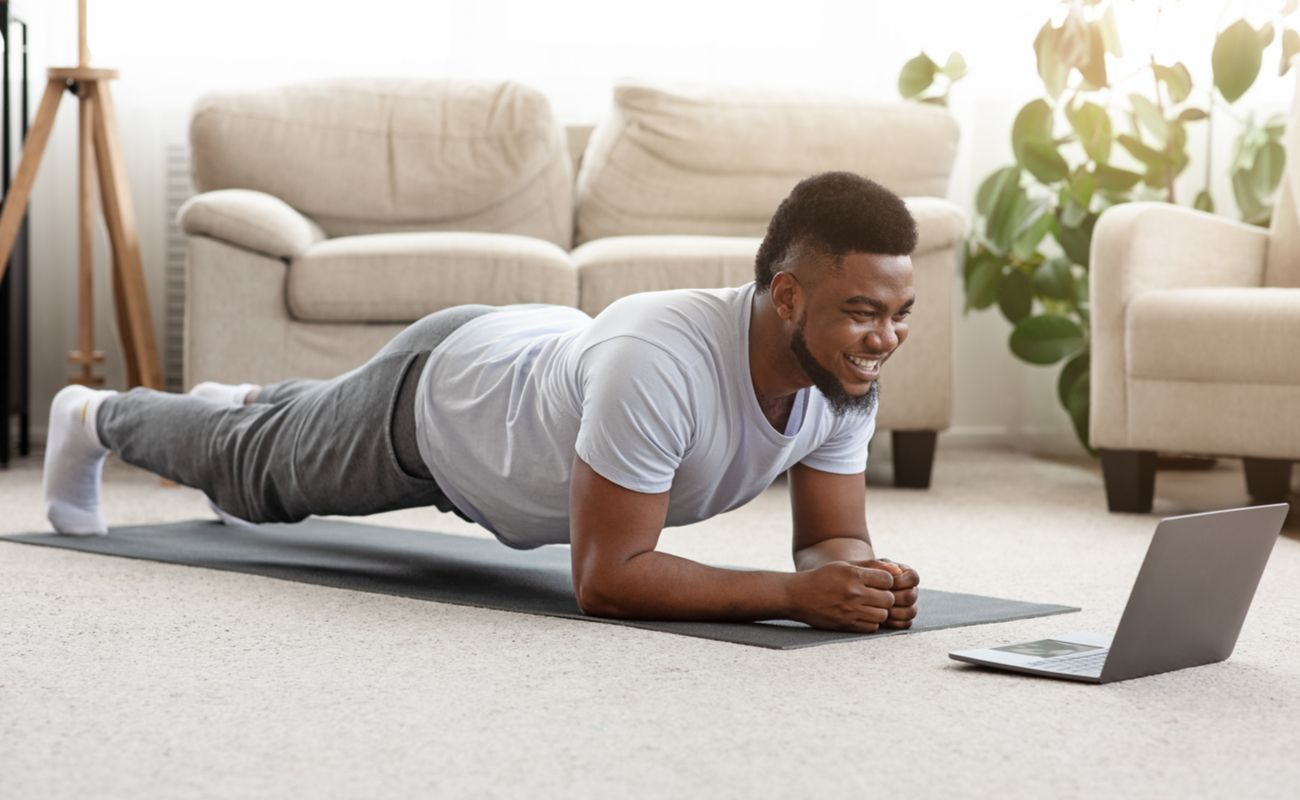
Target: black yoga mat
[(466, 571)]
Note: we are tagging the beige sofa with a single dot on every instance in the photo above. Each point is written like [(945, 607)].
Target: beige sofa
[(1196, 341), (333, 213)]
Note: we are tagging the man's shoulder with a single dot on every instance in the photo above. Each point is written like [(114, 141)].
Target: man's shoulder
[(684, 324)]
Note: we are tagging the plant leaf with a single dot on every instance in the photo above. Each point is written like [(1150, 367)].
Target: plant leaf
[(1046, 338), (916, 76), (1149, 115), (1053, 279), (1204, 202), (1093, 68), (1031, 230), (1266, 172), (1091, 122), (1177, 81), (1015, 298), (1045, 162), (1243, 191), (1144, 153), (982, 288), (955, 68), (1114, 179), (1076, 241), (993, 187), (1010, 207), (1070, 373), (1051, 68), (1236, 58), (1192, 115), (1110, 32), (1290, 47), (1078, 404), (1033, 123), (1266, 35)]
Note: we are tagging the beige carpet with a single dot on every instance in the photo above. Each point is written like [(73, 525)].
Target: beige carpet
[(123, 678)]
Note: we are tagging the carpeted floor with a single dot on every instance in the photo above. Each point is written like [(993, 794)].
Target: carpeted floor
[(123, 678)]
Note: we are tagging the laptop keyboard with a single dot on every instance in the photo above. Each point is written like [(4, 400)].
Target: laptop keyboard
[(1082, 664)]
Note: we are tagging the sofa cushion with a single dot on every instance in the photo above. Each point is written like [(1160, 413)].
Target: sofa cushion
[(621, 265), (382, 155), (400, 277), (718, 161), (1218, 335)]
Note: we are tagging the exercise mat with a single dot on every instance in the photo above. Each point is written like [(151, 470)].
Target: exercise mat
[(465, 570)]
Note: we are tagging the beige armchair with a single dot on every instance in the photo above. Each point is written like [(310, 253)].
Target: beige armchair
[(1196, 341)]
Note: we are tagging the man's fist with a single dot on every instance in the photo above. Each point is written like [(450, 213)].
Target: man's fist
[(906, 580), (842, 596)]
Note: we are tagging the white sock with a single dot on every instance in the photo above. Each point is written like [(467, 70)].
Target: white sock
[(225, 393), (74, 462), (229, 519), (229, 395)]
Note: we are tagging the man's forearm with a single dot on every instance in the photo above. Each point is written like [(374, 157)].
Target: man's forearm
[(656, 585), (841, 548)]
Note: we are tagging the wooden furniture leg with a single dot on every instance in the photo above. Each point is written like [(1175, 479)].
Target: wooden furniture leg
[(913, 458), (1268, 480), (15, 203), (86, 356), (119, 215), (1130, 477)]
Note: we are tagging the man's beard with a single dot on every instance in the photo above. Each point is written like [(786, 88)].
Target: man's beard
[(832, 389)]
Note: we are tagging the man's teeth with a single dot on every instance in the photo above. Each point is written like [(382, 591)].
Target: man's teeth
[(866, 364)]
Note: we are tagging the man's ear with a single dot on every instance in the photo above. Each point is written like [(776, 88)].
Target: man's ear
[(785, 295)]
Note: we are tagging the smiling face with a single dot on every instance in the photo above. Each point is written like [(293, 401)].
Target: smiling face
[(845, 320)]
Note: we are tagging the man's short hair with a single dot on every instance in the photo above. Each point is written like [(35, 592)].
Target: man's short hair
[(833, 214)]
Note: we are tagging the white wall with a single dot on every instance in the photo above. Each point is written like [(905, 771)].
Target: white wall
[(170, 52)]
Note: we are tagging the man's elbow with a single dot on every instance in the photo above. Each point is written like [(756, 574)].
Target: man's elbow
[(591, 601)]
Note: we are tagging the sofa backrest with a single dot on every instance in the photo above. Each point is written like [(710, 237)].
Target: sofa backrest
[(714, 161), (385, 155), (1282, 267)]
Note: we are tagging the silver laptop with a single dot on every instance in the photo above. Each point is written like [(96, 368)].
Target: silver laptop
[(1186, 608)]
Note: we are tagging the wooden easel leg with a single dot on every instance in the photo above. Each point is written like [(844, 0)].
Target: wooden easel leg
[(86, 356), (15, 203), (136, 322)]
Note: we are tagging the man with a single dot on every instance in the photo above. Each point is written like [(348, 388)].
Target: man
[(546, 426)]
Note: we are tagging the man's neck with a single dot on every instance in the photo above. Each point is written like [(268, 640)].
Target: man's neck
[(771, 364)]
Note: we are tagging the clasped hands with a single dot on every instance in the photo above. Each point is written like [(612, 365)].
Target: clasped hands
[(858, 595), (903, 587)]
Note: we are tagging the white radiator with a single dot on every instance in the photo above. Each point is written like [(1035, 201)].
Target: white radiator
[(177, 190)]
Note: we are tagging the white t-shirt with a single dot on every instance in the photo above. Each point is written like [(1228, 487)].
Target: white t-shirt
[(654, 394)]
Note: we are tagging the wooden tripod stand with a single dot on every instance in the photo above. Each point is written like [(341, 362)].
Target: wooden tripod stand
[(98, 146)]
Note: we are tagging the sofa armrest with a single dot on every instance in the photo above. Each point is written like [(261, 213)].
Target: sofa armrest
[(1139, 247), (252, 220), (940, 224)]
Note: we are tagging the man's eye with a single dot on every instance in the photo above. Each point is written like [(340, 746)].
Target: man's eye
[(863, 314), (905, 314)]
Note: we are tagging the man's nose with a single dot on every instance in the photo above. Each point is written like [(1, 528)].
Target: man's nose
[(882, 338)]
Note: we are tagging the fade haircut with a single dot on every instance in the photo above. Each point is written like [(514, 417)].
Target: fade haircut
[(831, 215)]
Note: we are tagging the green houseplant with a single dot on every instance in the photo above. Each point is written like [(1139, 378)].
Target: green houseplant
[(1092, 140)]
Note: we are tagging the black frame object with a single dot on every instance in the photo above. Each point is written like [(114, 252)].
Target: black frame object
[(15, 289)]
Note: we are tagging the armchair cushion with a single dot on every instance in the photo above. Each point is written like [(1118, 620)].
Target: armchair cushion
[(252, 220), (1220, 335), (716, 161), (400, 277)]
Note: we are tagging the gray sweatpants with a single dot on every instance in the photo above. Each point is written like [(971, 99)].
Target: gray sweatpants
[(339, 446)]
